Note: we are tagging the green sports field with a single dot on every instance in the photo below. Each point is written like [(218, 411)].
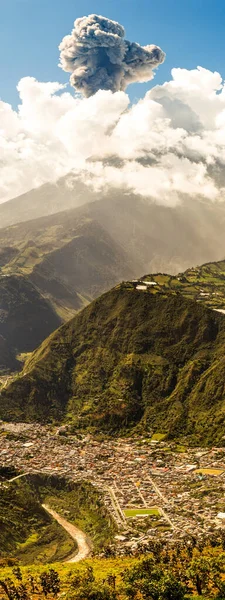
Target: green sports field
[(208, 471), (140, 512)]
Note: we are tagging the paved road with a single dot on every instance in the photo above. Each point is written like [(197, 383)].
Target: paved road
[(157, 490), (121, 519), (84, 548), (140, 494), (164, 499), (17, 477)]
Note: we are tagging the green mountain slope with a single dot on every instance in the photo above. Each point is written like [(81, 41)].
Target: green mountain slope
[(75, 255), (132, 360), (91, 262), (144, 237), (34, 537)]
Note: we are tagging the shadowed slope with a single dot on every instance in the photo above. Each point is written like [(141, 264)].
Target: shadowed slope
[(26, 318)]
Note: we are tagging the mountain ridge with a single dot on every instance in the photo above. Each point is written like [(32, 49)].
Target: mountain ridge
[(130, 361)]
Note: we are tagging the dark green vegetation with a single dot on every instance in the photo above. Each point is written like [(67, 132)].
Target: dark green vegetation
[(80, 503), (132, 360), (30, 535), (187, 570)]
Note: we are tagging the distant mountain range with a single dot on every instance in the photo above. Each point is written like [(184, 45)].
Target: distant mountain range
[(68, 258), (141, 358), (63, 261), (155, 237), (48, 199)]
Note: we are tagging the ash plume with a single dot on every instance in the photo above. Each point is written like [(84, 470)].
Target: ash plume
[(99, 57)]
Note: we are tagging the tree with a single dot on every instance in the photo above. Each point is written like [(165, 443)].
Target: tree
[(50, 582), (149, 580), (199, 574)]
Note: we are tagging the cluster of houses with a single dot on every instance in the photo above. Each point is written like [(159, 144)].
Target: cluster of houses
[(152, 488)]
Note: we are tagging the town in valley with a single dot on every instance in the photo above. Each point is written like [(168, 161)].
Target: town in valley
[(153, 488)]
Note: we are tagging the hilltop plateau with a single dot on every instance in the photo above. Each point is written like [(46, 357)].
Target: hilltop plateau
[(204, 284)]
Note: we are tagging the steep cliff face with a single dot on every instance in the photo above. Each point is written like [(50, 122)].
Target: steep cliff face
[(26, 319), (8, 360)]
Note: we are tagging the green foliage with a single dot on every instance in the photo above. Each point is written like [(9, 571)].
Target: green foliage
[(166, 574), (36, 537), (50, 582), (27, 531), (151, 582)]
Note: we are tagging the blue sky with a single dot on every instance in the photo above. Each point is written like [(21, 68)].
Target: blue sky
[(191, 32)]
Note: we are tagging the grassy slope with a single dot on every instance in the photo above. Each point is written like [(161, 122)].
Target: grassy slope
[(102, 568), (73, 256), (36, 537), (90, 248), (73, 576), (129, 360)]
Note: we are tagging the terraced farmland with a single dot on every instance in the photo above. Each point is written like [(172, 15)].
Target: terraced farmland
[(205, 284)]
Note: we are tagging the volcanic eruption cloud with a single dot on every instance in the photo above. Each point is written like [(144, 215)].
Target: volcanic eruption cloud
[(99, 57), (167, 146)]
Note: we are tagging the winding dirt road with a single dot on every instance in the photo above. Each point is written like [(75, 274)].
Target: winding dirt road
[(84, 548)]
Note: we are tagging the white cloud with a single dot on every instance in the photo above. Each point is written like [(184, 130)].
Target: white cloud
[(168, 144)]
